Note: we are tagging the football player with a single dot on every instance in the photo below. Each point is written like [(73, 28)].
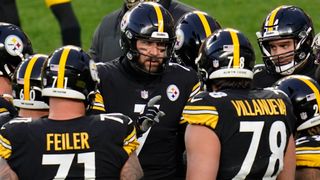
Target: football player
[(9, 12), (61, 9), (235, 132), (69, 25), (105, 44), (305, 97), (68, 144), (143, 72), (285, 41), (26, 85), (15, 46), (191, 30)]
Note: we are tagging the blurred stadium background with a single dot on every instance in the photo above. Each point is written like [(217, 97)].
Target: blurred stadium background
[(245, 15)]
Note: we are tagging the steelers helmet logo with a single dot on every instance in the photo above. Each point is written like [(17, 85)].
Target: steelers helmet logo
[(13, 45), (180, 39), (124, 21), (173, 92)]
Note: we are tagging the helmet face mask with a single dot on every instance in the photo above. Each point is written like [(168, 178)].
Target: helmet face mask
[(27, 83), (15, 46), (70, 73), (286, 22), (227, 53), (191, 30), (148, 22), (305, 98)]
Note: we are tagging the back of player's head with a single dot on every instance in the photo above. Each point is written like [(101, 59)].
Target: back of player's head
[(286, 22), (14, 47), (226, 54), (304, 94), (191, 30), (150, 22), (26, 83), (69, 72)]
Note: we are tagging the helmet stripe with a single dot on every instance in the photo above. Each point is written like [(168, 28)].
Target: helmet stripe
[(62, 65), (236, 49), (272, 17), (204, 22), (313, 88), (160, 18), (26, 78)]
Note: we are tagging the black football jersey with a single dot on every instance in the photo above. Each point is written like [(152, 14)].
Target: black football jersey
[(253, 128), (262, 78), (308, 151), (7, 111), (128, 93), (87, 147)]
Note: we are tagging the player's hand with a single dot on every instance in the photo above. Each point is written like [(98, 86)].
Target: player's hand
[(150, 115)]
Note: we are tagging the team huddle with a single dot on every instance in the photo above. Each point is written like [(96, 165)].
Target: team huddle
[(165, 92)]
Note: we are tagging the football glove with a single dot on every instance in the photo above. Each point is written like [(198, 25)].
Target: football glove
[(150, 115)]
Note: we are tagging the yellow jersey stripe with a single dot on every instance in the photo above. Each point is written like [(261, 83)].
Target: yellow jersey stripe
[(160, 18), (313, 88), (204, 22), (195, 91), (3, 110), (50, 3), (272, 17), (210, 108), (236, 49), (308, 149), (5, 148), (309, 160), (62, 65), (130, 142), (208, 120), (26, 78)]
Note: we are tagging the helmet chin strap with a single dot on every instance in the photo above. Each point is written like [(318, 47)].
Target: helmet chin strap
[(286, 69)]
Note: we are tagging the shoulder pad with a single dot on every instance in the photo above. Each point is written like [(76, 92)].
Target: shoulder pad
[(20, 120)]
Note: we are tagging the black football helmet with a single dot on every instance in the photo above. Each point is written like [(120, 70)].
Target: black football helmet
[(286, 22), (147, 21), (70, 73), (191, 30), (227, 53), (305, 97), (15, 46), (26, 83)]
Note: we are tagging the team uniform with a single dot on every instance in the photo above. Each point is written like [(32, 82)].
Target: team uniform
[(105, 44), (308, 151), (7, 111), (262, 78), (253, 127), (85, 147), (126, 90)]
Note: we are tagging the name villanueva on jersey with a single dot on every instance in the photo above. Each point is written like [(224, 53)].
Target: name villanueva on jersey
[(260, 107)]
